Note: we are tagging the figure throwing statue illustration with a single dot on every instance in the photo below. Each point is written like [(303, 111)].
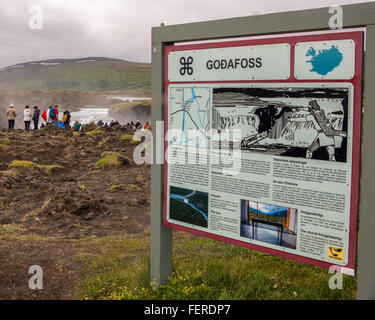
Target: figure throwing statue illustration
[(327, 136)]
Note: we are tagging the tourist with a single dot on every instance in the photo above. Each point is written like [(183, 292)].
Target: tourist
[(77, 126), (55, 120), (36, 116), (100, 123), (57, 112), (138, 124), (52, 116), (66, 119), (45, 115), (27, 117), (11, 114)]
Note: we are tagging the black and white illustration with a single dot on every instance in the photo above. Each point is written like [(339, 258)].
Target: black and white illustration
[(311, 123)]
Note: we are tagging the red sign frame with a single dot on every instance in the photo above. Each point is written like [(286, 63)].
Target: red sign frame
[(356, 81)]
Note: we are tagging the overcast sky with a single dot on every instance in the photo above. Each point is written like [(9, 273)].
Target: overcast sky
[(114, 28)]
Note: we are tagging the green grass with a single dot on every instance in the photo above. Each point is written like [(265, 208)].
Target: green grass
[(95, 132), (5, 141), (130, 138), (47, 169), (126, 137), (9, 229), (203, 269), (112, 159)]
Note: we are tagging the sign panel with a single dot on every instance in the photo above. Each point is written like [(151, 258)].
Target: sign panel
[(271, 166), (262, 62), (325, 60)]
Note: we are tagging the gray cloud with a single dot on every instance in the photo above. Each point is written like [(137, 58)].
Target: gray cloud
[(114, 28)]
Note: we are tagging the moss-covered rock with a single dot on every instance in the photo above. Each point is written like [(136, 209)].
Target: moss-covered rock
[(112, 159), (47, 169), (5, 141), (95, 132)]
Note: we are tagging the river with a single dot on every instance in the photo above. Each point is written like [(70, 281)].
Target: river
[(87, 115)]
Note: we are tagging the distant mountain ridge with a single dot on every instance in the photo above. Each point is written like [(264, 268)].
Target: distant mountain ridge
[(62, 61), (99, 74)]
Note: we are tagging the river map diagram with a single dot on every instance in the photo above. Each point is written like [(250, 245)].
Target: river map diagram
[(189, 116)]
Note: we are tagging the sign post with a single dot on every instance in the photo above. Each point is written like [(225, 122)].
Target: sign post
[(299, 113), (366, 255), (161, 237)]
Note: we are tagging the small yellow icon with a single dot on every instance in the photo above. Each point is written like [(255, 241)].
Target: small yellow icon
[(336, 253)]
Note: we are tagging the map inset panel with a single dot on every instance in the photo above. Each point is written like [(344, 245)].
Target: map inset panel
[(189, 116)]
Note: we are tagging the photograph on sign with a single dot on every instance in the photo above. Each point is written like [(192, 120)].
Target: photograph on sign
[(269, 223), (189, 206)]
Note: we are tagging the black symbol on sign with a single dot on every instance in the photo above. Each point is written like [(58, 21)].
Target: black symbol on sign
[(335, 251), (186, 66)]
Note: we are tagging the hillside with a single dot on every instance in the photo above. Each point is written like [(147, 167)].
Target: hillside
[(131, 110), (84, 74)]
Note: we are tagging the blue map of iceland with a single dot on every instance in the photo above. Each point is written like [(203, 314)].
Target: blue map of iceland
[(325, 60)]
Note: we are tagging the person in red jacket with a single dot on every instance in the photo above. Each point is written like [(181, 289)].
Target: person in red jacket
[(54, 115)]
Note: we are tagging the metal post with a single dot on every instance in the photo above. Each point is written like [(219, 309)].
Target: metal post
[(366, 257), (161, 237)]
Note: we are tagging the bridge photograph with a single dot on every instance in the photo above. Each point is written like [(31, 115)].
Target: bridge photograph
[(189, 206)]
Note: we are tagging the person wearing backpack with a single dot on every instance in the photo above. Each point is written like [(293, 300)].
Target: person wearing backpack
[(49, 114), (66, 119), (36, 117), (52, 116), (27, 117)]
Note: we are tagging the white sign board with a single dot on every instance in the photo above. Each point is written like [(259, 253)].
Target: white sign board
[(261, 62)]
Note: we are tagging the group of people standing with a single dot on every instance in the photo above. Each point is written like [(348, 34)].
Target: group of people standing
[(50, 116), (28, 116)]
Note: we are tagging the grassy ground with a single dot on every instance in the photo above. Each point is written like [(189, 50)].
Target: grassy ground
[(203, 269)]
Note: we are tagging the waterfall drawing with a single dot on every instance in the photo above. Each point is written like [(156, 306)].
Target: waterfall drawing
[(296, 122)]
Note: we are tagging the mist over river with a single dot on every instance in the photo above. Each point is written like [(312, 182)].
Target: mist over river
[(87, 115)]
